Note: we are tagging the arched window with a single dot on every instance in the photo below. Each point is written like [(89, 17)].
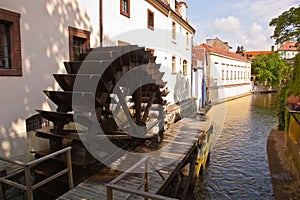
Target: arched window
[(184, 70)]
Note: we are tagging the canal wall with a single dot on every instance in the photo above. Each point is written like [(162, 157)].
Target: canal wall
[(262, 88), (221, 93), (292, 142), (219, 101)]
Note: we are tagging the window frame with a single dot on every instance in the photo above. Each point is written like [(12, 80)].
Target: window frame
[(185, 67), (75, 32), (13, 21), (222, 74), (187, 35), (148, 19), (174, 30), (174, 65), (126, 14)]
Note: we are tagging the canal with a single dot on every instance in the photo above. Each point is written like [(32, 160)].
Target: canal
[(238, 167)]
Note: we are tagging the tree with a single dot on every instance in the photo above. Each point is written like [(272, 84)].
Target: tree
[(291, 88), (287, 26), (271, 69)]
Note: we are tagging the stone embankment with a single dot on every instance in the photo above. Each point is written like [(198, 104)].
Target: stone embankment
[(284, 181)]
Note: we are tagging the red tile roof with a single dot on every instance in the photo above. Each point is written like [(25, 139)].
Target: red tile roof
[(224, 53), (257, 52), (252, 54), (288, 46)]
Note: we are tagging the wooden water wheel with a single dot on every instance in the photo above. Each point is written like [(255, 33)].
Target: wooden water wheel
[(117, 89)]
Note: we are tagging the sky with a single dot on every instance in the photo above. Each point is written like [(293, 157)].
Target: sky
[(238, 22)]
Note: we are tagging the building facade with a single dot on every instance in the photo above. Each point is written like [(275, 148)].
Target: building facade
[(36, 37), (160, 26), (288, 51), (228, 74)]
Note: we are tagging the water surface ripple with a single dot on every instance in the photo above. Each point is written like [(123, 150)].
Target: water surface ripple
[(238, 167)]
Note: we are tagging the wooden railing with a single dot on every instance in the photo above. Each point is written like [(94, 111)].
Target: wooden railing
[(146, 194), (26, 168)]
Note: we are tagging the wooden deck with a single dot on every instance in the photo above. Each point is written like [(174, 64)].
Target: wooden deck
[(180, 140)]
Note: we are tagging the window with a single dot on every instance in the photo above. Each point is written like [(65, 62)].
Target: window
[(150, 19), (4, 46), (10, 44), (125, 7), (222, 74), (227, 74), (173, 64), (184, 69), (79, 42), (173, 31), (187, 39)]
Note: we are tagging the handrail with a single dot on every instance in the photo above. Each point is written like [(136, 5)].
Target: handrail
[(51, 155), (146, 194), (15, 162), (29, 187)]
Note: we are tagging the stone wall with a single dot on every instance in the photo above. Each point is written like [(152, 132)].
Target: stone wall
[(292, 140)]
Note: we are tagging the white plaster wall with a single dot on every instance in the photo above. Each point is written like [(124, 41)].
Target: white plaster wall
[(44, 44), (236, 91), (288, 54), (220, 89)]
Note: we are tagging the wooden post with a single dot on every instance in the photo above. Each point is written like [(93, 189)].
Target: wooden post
[(109, 192), (147, 176), (1, 192), (191, 174), (70, 172), (28, 183)]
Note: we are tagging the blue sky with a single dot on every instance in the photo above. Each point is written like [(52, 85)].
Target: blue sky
[(238, 22)]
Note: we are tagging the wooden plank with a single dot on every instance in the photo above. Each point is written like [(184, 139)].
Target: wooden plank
[(85, 193), (63, 198), (180, 141)]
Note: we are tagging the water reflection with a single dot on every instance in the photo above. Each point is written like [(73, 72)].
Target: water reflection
[(238, 167)]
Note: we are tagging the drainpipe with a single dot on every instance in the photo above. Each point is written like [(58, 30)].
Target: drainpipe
[(101, 21), (192, 44)]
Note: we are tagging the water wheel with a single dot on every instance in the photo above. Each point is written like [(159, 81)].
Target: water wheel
[(116, 89)]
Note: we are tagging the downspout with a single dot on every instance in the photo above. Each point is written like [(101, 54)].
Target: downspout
[(192, 44), (101, 21)]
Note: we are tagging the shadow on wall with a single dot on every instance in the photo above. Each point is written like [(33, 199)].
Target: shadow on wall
[(44, 45), (182, 88), (213, 91)]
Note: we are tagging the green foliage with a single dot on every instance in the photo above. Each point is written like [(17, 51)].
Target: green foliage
[(287, 26), (281, 110), (292, 88), (271, 69)]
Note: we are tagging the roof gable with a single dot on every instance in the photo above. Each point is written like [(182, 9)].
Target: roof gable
[(289, 46), (224, 52)]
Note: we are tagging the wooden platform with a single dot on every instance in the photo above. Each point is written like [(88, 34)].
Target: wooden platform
[(180, 140)]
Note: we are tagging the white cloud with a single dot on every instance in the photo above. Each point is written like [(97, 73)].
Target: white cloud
[(264, 11), (230, 23), (246, 22), (256, 38)]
